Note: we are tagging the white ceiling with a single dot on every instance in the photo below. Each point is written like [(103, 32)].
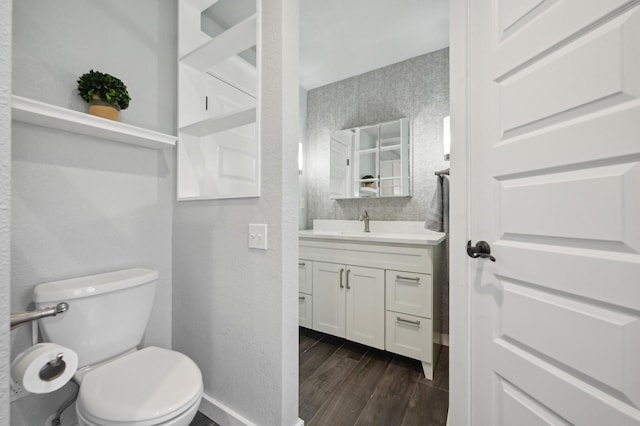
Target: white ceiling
[(343, 38)]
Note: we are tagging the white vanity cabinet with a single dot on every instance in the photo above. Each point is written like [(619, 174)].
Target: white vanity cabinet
[(349, 302), (378, 292), (305, 293)]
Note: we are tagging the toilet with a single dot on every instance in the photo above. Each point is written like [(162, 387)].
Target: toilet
[(119, 384)]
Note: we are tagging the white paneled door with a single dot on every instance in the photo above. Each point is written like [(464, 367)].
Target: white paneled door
[(555, 190)]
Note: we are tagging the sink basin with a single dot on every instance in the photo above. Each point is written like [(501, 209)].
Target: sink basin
[(396, 232)]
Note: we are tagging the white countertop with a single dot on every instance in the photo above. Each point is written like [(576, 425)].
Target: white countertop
[(381, 231)]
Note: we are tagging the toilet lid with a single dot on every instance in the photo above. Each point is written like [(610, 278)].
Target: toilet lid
[(151, 385)]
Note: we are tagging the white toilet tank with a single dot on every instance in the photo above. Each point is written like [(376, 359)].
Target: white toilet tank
[(107, 316)]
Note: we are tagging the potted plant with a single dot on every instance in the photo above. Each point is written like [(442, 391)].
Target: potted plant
[(106, 94), (368, 184)]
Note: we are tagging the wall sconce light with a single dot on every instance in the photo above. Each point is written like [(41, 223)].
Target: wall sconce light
[(300, 158), (446, 137)]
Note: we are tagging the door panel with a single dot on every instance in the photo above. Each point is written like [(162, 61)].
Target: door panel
[(564, 394), (305, 276), (519, 408), (305, 310), (559, 317), (555, 184), (569, 204), (538, 31), (564, 89), (365, 306), (328, 298)]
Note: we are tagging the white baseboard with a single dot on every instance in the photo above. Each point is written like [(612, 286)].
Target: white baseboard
[(221, 414), (225, 416), (441, 338)]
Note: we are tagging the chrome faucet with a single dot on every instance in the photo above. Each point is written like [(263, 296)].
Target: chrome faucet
[(365, 217)]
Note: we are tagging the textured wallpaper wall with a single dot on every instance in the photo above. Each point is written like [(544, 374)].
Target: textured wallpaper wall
[(417, 88)]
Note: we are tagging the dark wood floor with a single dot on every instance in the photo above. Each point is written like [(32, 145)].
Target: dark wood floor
[(202, 420), (344, 383)]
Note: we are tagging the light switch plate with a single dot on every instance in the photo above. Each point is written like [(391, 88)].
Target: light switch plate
[(258, 236)]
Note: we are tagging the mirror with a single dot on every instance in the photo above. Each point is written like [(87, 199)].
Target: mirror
[(371, 161)]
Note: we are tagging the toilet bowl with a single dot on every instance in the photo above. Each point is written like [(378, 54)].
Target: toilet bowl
[(152, 386), (119, 384)]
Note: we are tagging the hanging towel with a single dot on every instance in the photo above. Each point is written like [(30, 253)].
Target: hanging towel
[(438, 209), (438, 220)]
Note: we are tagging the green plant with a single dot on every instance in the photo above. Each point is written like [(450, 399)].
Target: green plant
[(107, 87)]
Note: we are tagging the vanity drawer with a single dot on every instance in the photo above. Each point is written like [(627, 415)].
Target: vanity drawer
[(409, 335), (409, 293), (305, 310), (305, 276)]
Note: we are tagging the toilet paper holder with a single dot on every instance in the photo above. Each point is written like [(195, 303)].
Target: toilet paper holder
[(53, 369), (21, 318)]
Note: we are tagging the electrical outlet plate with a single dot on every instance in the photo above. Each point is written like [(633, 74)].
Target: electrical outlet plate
[(17, 391)]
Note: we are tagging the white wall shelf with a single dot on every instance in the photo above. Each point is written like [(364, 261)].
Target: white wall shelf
[(201, 5), (55, 117), (231, 42), (218, 107), (222, 122)]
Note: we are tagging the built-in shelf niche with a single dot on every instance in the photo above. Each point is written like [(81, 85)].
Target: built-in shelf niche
[(55, 117), (236, 39), (218, 147)]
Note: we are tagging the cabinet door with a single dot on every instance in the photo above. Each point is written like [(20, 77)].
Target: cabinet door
[(410, 293), (305, 310), (365, 305), (328, 298), (411, 336), (305, 276)]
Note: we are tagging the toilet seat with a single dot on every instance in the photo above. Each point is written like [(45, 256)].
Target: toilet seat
[(151, 386)]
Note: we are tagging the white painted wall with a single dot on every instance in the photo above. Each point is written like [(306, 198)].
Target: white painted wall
[(5, 190), (235, 309), (82, 205), (56, 42)]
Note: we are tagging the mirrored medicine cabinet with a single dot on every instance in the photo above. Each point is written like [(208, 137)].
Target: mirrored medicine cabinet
[(371, 161)]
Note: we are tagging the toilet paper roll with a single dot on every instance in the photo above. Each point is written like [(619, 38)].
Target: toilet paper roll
[(44, 367)]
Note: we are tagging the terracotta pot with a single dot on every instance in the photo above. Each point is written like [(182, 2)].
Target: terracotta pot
[(103, 109)]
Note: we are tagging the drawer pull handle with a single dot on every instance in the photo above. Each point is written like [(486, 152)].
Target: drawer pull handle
[(302, 264), (301, 298), (400, 277), (341, 272), (416, 323)]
